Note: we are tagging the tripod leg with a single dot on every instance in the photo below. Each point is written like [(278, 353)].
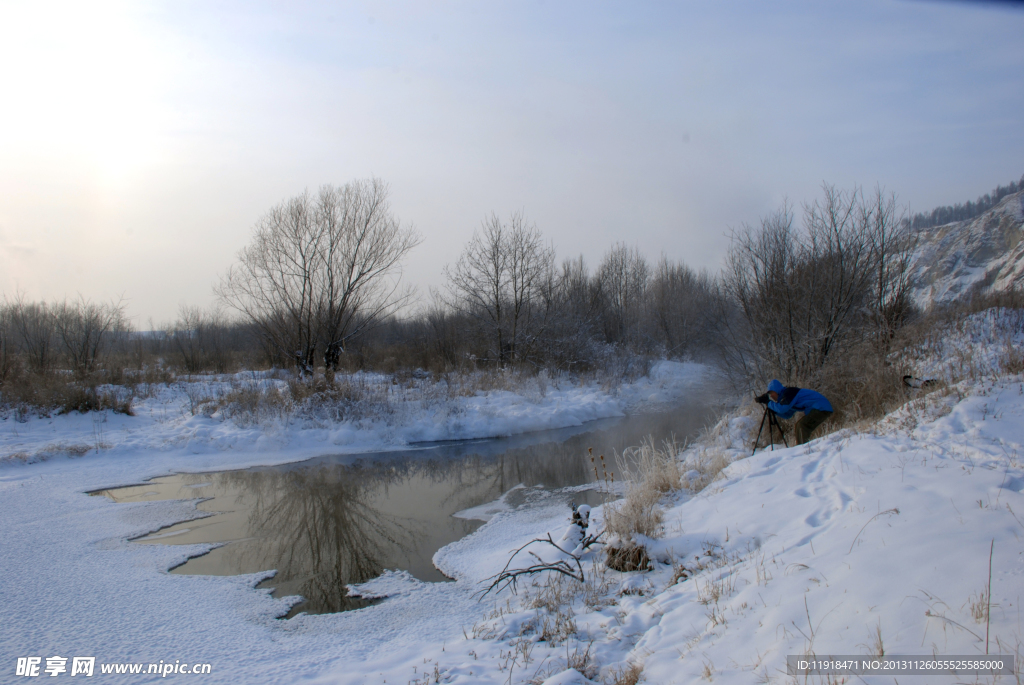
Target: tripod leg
[(759, 431), (781, 434), (774, 419)]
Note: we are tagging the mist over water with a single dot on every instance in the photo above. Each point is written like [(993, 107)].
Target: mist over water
[(328, 522)]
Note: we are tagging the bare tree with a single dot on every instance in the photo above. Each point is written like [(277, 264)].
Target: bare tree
[(34, 324), (810, 296), (838, 267), (893, 244), (499, 281), (623, 279), (364, 247), (574, 321), (320, 270), (680, 305), (443, 332), (759, 277), (273, 284), (199, 338), (8, 342), (85, 329)]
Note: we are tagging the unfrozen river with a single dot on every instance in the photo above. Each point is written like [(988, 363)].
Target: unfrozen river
[(339, 519)]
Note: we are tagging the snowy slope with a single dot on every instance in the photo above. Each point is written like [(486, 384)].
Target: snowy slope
[(985, 252), (852, 542)]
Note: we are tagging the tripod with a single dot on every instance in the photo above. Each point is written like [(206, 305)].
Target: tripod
[(772, 420)]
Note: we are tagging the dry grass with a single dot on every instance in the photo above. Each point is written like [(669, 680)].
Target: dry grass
[(199, 397), (649, 473), (639, 513), (979, 606), (582, 661), (655, 469), (627, 675), (703, 466), (51, 393), (877, 646), (255, 401), (708, 672), (65, 449), (860, 386), (556, 591), (627, 557), (959, 347)]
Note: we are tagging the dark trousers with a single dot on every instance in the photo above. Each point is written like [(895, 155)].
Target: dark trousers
[(806, 425)]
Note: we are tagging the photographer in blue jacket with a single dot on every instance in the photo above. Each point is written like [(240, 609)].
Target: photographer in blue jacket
[(787, 401)]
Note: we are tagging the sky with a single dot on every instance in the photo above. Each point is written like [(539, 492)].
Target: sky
[(141, 141)]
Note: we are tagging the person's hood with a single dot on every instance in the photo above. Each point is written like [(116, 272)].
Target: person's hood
[(776, 386)]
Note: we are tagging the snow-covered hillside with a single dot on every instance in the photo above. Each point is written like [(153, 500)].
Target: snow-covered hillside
[(855, 544), (986, 253)]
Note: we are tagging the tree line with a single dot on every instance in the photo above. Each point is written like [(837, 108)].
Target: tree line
[(318, 289), (320, 285), (969, 210)]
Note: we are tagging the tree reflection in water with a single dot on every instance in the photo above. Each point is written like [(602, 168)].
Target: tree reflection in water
[(323, 527), (319, 528), (327, 523)]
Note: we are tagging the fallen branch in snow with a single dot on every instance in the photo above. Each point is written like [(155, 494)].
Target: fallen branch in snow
[(574, 569)]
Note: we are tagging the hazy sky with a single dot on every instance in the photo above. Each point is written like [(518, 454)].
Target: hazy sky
[(139, 142)]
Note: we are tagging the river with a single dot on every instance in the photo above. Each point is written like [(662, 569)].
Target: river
[(327, 522)]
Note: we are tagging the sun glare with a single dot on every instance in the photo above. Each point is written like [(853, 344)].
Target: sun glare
[(84, 86)]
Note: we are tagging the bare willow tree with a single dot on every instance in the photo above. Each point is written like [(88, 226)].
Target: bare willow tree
[(893, 243), (499, 281), (320, 270), (807, 296)]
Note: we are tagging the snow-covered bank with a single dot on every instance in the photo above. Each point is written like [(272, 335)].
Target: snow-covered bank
[(168, 420)]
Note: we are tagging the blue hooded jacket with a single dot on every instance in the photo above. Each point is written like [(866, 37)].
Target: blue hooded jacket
[(792, 400)]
